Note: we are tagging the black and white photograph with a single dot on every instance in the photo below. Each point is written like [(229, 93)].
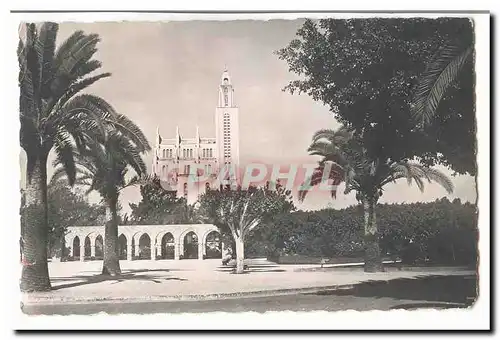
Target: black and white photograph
[(234, 164)]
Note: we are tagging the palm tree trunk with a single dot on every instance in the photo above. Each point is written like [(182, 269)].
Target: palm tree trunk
[(111, 263), (35, 273), (373, 260), (240, 255)]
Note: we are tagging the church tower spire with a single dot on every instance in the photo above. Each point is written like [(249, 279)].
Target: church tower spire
[(226, 91)]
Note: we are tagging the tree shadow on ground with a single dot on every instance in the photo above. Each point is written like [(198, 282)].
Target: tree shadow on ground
[(130, 270), (127, 276), (232, 270), (251, 266), (453, 288)]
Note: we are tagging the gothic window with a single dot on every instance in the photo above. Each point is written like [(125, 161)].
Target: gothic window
[(226, 101), (207, 186), (186, 169), (164, 153), (209, 169), (185, 189), (163, 170)]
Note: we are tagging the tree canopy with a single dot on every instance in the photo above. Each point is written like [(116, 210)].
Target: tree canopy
[(159, 206), (66, 208), (366, 70)]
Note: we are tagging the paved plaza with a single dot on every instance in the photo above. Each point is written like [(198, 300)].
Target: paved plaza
[(169, 280)]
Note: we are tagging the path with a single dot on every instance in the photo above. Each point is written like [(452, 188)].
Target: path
[(429, 292), (194, 279)]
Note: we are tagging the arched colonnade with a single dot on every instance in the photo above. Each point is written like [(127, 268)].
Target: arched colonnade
[(153, 242)]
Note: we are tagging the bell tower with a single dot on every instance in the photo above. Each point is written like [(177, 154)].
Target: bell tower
[(227, 124), (226, 91)]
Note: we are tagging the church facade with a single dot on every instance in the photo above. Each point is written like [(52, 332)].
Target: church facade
[(176, 159)]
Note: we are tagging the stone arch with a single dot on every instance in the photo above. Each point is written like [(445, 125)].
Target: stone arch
[(190, 242), (76, 247), (167, 246), (143, 247), (99, 247), (87, 247), (122, 247), (212, 244)]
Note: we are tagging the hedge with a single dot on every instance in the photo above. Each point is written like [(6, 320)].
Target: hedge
[(440, 232)]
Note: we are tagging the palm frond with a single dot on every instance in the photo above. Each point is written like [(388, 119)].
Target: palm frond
[(124, 125), (84, 112), (140, 180), (75, 88), (417, 172), (86, 68), (434, 175), (441, 72), (80, 51), (128, 153), (336, 174), (339, 136), (63, 147), (64, 49), (45, 47)]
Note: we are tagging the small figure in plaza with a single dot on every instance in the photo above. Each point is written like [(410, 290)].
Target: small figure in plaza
[(226, 258)]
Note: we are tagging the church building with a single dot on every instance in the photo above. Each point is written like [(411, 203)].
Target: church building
[(175, 159)]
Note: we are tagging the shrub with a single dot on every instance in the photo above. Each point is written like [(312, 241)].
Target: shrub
[(440, 232)]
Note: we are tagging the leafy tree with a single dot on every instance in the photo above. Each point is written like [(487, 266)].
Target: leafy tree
[(242, 211), (344, 158), (103, 166), (367, 70), (68, 208), (54, 116), (65, 208), (159, 206)]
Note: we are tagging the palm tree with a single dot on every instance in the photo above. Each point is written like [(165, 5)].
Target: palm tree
[(442, 71), (344, 159), (103, 166), (54, 117)]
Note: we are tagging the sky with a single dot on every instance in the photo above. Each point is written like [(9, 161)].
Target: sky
[(166, 74)]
